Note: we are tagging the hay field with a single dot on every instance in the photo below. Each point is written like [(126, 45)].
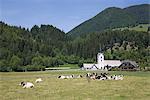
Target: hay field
[(135, 86)]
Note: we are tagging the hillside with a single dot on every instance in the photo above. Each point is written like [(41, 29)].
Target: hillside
[(140, 27), (140, 12), (41, 39), (21, 47), (114, 18)]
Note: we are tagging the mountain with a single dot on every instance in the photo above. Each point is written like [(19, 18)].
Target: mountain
[(114, 18), (140, 12)]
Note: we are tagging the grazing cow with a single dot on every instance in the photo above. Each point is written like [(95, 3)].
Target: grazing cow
[(71, 76), (98, 77), (109, 77), (121, 77), (88, 77), (79, 76), (27, 84), (38, 80), (62, 77), (117, 77), (103, 76), (88, 74), (91, 76), (66, 77)]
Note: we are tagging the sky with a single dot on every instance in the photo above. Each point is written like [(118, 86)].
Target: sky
[(63, 14)]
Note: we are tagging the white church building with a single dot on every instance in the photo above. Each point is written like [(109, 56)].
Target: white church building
[(101, 63)]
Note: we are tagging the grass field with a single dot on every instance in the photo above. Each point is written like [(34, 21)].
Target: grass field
[(140, 27), (64, 67), (135, 86)]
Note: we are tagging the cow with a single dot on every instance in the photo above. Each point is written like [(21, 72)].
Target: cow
[(26, 84)]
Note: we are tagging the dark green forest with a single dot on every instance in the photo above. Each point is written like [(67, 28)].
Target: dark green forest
[(46, 46)]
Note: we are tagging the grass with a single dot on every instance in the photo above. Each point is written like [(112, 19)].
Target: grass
[(135, 86), (64, 67), (140, 27), (71, 66)]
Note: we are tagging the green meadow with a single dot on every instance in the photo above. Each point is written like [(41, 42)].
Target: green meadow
[(135, 86), (140, 27)]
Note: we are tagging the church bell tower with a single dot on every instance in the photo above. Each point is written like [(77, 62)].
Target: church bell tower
[(100, 60)]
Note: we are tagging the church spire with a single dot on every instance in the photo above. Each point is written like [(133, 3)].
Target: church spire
[(100, 49)]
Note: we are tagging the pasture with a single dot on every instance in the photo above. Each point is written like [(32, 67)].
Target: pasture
[(135, 86), (140, 27)]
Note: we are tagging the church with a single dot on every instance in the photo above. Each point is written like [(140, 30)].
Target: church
[(102, 64)]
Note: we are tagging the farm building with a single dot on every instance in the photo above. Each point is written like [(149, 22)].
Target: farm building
[(102, 64), (128, 65)]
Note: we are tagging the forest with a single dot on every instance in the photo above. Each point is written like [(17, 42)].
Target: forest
[(47, 46)]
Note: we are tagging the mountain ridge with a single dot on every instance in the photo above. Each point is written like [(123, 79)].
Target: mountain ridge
[(113, 17)]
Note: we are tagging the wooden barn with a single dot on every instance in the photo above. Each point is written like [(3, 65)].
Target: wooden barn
[(128, 65)]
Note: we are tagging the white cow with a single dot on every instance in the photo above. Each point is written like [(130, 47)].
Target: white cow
[(118, 77), (27, 84), (38, 80), (79, 76), (66, 77), (62, 77)]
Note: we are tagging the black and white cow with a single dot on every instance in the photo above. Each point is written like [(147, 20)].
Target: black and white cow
[(27, 84)]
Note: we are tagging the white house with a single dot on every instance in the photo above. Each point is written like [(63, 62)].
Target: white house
[(101, 63)]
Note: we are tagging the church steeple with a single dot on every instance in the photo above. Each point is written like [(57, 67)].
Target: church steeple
[(100, 49), (100, 60)]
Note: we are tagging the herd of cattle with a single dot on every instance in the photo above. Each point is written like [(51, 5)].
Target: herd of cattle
[(93, 76), (89, 76), (104, 76)]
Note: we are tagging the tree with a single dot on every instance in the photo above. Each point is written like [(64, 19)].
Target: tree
[(108, 54), (37, 61), (15, 62), (4, 66)]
